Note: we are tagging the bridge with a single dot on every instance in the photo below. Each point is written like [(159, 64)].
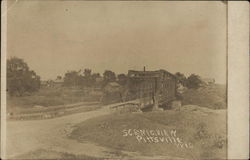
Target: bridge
[(152, 88)]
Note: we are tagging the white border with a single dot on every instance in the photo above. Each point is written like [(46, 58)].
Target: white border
[(3, 76), (238, 80)]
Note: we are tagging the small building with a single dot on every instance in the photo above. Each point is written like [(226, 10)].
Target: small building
[(44, 83), (208, 81), (112, 87), (52, 83), (99, 79), (57, 83)]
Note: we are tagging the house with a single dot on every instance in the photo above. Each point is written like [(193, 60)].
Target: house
[(99, 79), (208, 81), (57, 83), (44, 83), (112, 87), (52, 83)]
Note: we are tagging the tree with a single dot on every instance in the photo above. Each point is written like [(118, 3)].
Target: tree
[(109, 76), (122, 79), (194, 81), (181, 78), (88, 81), (20, 78), (94, 77), (72, 78), (87, 73)]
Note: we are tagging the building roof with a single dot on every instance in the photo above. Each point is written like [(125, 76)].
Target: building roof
[(150, 73), (113, 84), (99, 79), (208, 80), (58, 81)]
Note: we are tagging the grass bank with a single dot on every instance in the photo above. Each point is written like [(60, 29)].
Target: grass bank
[(202, 132), (212, 96), (46, 97)]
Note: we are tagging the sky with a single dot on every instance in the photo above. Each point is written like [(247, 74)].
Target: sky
[(54, 37)]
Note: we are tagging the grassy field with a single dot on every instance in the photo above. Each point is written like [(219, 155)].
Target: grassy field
[(213, 96), (51, 103), (204, 129), (49, 97)]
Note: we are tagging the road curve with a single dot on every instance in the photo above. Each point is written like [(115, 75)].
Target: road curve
[(50, 134)]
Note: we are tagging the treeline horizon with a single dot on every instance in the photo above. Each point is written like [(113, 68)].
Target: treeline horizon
[(21, 79)]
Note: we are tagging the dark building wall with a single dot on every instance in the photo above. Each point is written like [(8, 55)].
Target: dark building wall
[(152, 83)]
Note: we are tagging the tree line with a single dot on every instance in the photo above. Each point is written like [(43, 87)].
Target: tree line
[(192, 81), (86, 78), (21, 80)]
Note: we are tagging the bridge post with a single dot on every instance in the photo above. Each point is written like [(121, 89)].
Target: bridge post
[(155, 95), (156, 102)]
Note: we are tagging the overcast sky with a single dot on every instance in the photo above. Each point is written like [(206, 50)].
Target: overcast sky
[(57, 36)]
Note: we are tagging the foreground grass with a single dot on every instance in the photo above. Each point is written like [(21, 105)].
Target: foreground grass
[(46, 97), (43, 154), (204, 129)]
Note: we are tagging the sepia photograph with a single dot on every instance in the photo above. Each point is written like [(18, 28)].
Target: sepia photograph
[(116, 80)]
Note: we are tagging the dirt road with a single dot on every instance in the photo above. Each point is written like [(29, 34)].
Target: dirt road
[(50, 134), (24, 137)]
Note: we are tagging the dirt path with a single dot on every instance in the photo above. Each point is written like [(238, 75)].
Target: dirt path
[(50, 134)]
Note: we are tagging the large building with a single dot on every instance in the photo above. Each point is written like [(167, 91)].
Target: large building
[(152, 87)]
